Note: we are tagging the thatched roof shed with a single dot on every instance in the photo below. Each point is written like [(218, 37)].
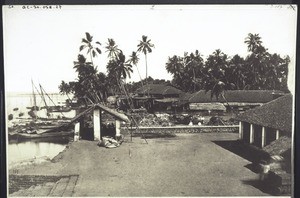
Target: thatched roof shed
[(215, 106)]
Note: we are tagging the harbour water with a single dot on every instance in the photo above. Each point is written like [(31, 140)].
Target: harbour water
[(33, 149), (23, 100), (17, 151)]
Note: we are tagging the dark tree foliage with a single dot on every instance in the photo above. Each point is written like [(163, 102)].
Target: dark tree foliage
[(259, 70)]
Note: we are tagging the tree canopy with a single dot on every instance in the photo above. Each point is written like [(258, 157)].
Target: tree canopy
[(259, 70), (191, 72)]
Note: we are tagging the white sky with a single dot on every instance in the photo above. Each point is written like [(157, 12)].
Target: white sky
[(42, 44)]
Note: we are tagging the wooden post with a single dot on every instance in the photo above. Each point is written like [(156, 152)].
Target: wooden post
[(251, 140), (118, 129), (277, 134), (97, 124), (263, 137), (241, 130), (77, 132)]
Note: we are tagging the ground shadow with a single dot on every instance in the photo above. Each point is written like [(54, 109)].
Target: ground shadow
[(262, 186), (252, 154), (154, 135), (253, 167), (248, 152)]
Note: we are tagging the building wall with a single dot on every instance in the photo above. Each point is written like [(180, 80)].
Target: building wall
[(271, 135), (246, 132), (257, 135)]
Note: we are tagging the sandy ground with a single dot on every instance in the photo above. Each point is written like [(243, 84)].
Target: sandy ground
[(186, 165)]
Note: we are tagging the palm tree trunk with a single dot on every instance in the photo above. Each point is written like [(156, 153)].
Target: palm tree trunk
[(146, 73), (146, 66), (194, 78), (139, 75), (92, 58)]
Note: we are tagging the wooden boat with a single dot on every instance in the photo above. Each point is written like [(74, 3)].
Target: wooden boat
[(40, 135), (59, 109)]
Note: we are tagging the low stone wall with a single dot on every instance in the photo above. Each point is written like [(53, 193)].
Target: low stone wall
[(18, 182), (185, 129)]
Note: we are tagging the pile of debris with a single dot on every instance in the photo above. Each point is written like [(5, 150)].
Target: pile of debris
[(109, 142), (150, 120)]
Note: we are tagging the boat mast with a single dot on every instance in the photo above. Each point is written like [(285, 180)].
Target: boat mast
[(43, 97), (34, 101), (43, 90), (34, 98)]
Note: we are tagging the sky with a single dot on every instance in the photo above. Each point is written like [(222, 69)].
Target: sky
[(41, 44)]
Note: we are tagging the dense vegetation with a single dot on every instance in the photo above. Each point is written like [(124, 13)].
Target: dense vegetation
[(219, 72), (259, 70)]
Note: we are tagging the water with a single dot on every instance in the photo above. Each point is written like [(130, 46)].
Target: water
[(22, 151), (23, 100), (26, 150)]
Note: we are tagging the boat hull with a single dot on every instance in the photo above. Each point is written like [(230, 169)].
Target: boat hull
[(41, 135)]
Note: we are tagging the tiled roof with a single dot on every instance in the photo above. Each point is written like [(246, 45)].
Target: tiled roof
[(278, 147), (159, 89), (276, 114), (245, 96)]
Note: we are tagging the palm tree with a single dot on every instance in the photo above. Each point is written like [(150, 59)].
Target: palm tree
[(145, 47), (112, 49), (236, 73), (84, 69), (65, 88), (87, 78), (124, 68), (134, 59), (193, 67), (119, 67), (175, 66), (88, 43), (254, 42)]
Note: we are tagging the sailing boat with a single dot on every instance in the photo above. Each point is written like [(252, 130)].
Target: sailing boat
[(34, 108), (36, 111), (55, 108), (40, 126)]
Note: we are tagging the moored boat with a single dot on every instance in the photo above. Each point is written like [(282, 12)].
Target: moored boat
[(40, 135)]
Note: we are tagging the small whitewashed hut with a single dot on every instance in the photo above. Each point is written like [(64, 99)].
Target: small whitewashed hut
[(96, 111)]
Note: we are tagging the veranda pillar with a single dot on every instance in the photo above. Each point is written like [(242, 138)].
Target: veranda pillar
[(97, 124), (118, 129), (277, 134), (241, 130), (77, 132), (251, 139), (263, 137)]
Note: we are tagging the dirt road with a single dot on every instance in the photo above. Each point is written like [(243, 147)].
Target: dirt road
[(186, 165)]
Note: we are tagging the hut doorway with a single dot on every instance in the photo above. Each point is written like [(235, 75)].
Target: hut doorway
[(86, 129), (108, 129)]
